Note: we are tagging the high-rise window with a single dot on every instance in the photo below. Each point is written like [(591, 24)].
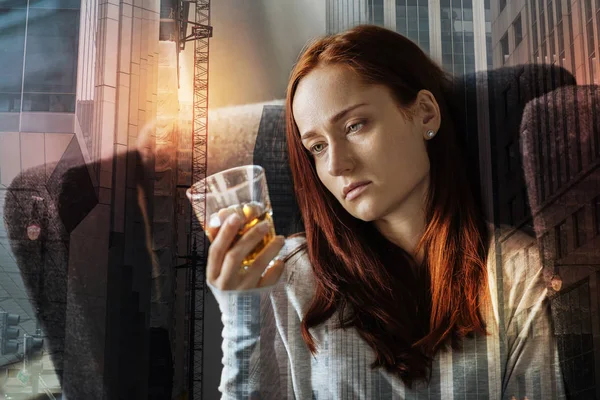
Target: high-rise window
[(571, 37), (547, 249), (412, 20), (543, 33), (502, 5), (551, 32), (376, 12), (504, 48), (51, 59), (561, 41), (12, 48), (589, 18), (579, 227), (447, 25), (534, 28), (423, 15), (401, 23), (47, 80), (518, 27), (562, 237)]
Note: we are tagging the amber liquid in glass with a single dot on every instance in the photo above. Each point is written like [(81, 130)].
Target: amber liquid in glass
[(249, 259), (253, 213)]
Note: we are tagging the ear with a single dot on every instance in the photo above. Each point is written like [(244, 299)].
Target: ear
[(427, 114)]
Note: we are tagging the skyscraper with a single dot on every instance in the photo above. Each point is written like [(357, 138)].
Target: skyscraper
[(553, 135), (77, 92), (457, 33)]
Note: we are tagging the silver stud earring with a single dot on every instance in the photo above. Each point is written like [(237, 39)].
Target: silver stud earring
[(430, 134)]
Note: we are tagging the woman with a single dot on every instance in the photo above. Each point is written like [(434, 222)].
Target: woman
[(391, 292)]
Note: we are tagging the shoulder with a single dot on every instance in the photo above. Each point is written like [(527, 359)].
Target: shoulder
[(515, 254), (295, 256), (295, 245), (523, 275), (298, 285), (510, 242), (515, 268), (519, 250)]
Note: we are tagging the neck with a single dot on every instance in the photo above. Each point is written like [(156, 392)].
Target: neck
[(405, 225)]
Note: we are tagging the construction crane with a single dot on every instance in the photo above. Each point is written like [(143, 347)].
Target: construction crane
[(201, 32)]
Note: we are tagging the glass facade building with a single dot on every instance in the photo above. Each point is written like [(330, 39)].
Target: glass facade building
[(412, 20), (458, 43), (442, 28), (38, 55), (78, 90), (551, 43)]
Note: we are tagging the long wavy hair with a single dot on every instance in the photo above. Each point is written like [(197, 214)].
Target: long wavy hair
[(405, 316)]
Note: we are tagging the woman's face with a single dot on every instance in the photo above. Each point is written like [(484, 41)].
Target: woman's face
[(357, 133)]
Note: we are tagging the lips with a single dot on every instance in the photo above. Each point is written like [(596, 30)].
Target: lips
[(355, 185)]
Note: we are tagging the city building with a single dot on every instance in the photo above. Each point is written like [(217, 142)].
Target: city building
[(455, 33), (78, 105), (554, 139)]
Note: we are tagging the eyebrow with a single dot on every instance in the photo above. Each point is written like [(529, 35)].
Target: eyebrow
[(333, 119)]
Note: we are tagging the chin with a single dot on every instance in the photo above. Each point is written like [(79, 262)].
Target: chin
[(365, 212)]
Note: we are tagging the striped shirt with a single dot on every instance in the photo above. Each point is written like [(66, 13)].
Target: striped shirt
[(265, 357)]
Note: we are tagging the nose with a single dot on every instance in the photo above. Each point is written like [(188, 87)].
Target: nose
[(340, 160)]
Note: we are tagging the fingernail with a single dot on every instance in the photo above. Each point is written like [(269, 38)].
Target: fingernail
[(234, 219)]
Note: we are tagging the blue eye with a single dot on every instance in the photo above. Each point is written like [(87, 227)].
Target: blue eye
[(357, 124), (314, 151)]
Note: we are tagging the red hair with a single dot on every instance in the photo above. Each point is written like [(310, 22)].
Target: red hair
[(406, 317)]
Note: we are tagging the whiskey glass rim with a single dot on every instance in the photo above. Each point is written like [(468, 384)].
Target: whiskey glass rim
[(194, 192)]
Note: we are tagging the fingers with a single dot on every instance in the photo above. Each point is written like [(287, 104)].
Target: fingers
[(225, 257), (235, 256), (247, 212), (261, 262), (219, 247), (217, 220), (224, 213), (212, 232)]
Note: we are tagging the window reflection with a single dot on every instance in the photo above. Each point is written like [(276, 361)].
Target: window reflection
[(12, 40), (51, 59), (47, 80)]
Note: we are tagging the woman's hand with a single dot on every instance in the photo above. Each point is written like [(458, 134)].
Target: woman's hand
[(224, 270)]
